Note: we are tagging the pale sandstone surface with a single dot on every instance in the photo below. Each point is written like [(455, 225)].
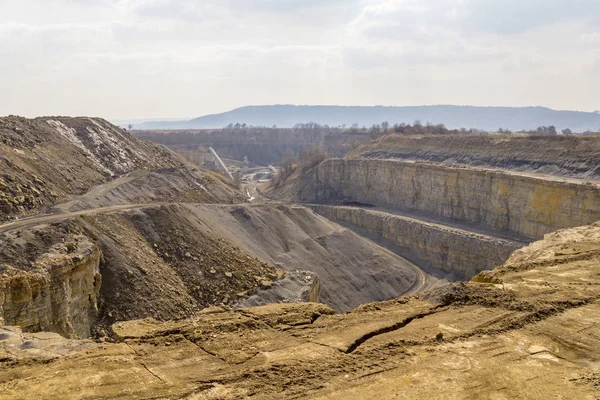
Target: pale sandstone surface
[(58, 292), (527, 329)]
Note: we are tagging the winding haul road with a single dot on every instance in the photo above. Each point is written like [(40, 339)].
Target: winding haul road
[(61, 212), (50, 218)]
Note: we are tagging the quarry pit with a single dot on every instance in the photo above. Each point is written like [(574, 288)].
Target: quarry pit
[(126, 267)]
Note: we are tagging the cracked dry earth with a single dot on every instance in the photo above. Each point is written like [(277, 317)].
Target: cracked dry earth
[(528, 329)]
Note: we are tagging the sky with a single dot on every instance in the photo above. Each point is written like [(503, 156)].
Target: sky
[(127, 59)]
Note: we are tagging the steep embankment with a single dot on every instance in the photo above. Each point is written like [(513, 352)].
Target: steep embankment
[(525, 330), (170, 261), (461, 253), (351, 270), (44, 160), (152, 261), (522, 205), (567, 156), (52, 283)]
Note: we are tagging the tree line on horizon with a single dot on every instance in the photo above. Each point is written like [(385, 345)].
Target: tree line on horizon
[(417, 128)]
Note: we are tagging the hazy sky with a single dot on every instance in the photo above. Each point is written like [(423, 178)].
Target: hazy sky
[(184, 58)]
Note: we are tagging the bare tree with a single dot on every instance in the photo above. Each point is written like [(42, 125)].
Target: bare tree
[(567, 132)]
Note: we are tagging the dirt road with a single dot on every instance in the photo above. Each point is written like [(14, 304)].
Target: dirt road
[(49, 218), (353, 269)]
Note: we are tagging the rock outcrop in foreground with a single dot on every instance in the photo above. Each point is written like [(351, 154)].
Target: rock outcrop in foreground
[(59, 292), (527, 329)]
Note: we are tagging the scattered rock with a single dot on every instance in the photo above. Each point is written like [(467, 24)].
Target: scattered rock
[(28, 344), (265, 284)]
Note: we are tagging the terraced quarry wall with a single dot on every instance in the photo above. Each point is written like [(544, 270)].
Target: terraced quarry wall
[(521, 205), (459, 252), (567, 156)]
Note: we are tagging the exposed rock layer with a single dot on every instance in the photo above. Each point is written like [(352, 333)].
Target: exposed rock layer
[(58, 293), (460, 252), (524, 206), (568, 156)]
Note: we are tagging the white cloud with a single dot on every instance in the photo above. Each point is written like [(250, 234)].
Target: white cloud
[(591, 38), (144, 58)]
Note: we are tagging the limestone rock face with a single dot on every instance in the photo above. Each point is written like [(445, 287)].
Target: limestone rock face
[(457, 251), (522, 205), (576, 156), (59, 294)]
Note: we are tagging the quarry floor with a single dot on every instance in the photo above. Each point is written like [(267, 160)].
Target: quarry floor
[(529, 329)]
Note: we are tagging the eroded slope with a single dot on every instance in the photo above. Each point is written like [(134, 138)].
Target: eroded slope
[(169, 261), (44, 161), (351, 270)]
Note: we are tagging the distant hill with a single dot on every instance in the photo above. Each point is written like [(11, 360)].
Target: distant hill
[(486, 118), (124, 123)]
